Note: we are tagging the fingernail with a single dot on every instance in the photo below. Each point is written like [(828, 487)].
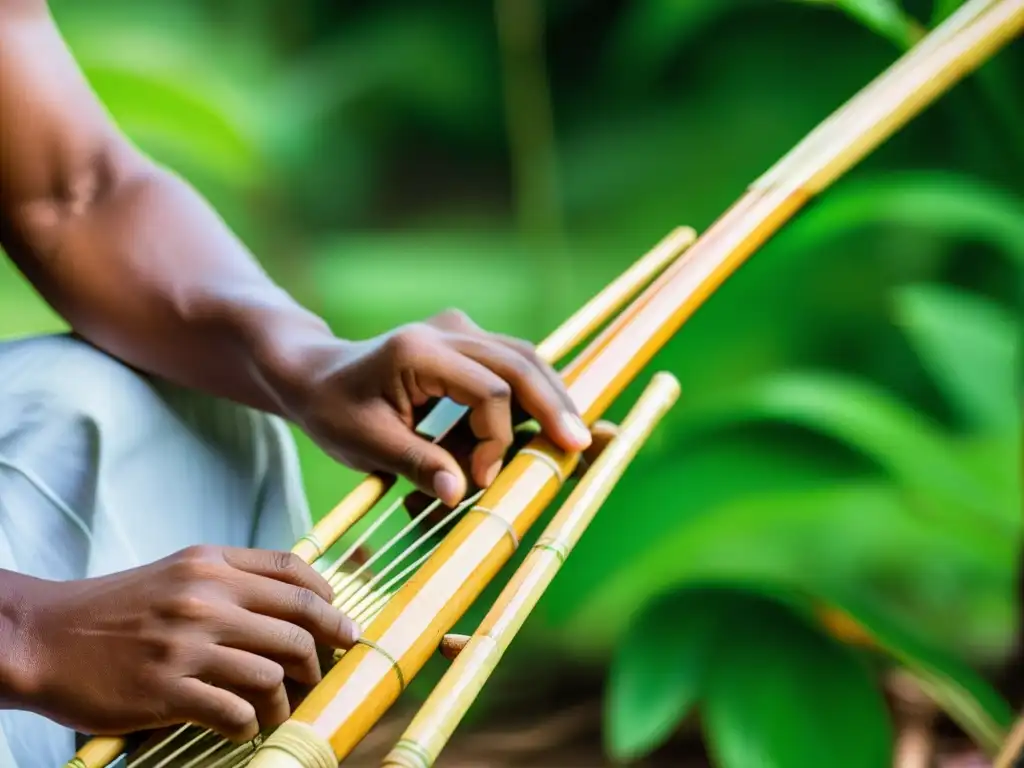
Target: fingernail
[(492, 473), (578, 430), (446, 487)]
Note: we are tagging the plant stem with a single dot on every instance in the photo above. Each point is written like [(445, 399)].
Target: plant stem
[(531, 135)]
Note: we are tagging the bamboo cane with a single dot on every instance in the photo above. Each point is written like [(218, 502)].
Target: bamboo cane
[(1012, 753), (583, 322), (351, 698), (448, 703), (101, 751)]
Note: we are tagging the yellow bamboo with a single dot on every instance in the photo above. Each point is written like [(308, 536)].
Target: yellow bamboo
[(1012, 752), (101, 751), (98, 752), (368, 679), (448, 703)]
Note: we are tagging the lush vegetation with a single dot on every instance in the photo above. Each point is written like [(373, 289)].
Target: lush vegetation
[(847, 447)]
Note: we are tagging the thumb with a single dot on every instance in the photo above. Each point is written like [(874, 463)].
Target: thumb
[(399, 450)]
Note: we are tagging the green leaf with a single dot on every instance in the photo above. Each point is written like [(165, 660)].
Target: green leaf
[(651, 31), (883, 17), (943, 9), (946, 204), (857, 533), (374, 282), (783, 694), (658, 671), (969, 345), (668, 491), (963, 694), (867, 419)]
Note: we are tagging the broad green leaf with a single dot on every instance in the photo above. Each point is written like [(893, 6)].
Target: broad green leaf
[(883, 17), (856, 533), (670, 489), (659, 670), (946, 204), (651, 31), (868, 420), (943, 9), (962, 693), (783, 694), (372, 283), (969, 345)]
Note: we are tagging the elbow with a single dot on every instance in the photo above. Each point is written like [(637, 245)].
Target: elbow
[(76, 193)]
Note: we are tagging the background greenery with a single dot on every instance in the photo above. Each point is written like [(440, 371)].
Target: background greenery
[(849, 425)]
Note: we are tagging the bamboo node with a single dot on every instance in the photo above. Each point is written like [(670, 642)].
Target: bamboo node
[(394, 662), (407, 754), (299, 742), (313, 539), (505, 523), (554, 545), (551, 463)]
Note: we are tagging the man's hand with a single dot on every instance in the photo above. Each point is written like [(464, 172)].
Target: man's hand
[(208, 636), (359, 400)]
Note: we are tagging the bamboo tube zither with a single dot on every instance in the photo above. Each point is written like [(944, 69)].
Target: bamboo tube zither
[(101, 751), (447, 704), (363, 685), (408, 624), (583, 322)]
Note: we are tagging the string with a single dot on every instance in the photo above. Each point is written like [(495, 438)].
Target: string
[(340, 601), (362, 605)]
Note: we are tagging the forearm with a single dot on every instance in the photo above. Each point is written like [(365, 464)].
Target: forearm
[(132, 257), (149, 273), (16, 688)]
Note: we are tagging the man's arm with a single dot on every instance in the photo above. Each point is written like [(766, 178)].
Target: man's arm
[(131, 256), (140, 266)]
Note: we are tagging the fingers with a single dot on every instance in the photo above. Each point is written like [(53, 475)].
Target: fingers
[(257, 680), (300, 607), (280, 566), (537, 390), (535, 384), (290, 646), (215, 708), (398, 450)]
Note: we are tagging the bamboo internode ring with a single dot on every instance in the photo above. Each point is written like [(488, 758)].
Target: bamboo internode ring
[(407, 613)]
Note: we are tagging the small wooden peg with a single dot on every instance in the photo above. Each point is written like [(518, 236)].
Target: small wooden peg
[(602, 433), (452, 645)]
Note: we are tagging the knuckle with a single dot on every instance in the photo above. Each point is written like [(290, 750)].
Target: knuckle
[(407, 345), (287, 563), (300, 643), (454, 317), (499, 390), (268, 677), (190, 607), (236, 720), (198, 553), (305, 601), (413, 459)]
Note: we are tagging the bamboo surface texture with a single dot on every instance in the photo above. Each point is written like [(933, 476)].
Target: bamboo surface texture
[(367, 680), (448, 703), (101, 751)]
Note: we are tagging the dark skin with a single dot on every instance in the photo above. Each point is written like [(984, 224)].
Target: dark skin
[(141, 267)]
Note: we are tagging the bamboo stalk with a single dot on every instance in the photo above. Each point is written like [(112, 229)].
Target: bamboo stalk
[(581, 324), (448, 703), (101, 751), (369, 678), (1012, 752)]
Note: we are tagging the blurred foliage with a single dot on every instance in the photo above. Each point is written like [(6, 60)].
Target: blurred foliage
[(849, 430)]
